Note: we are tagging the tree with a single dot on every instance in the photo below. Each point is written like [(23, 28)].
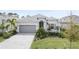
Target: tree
[(72, 33), (2, 26), (7, 26), (12, 23), (10, 13)]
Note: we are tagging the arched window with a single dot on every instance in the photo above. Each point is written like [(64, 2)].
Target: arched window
[(41, 24)]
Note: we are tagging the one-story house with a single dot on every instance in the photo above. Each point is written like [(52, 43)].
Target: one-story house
[(30, 24)]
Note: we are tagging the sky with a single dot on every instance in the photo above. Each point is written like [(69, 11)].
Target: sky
[(49, 13)]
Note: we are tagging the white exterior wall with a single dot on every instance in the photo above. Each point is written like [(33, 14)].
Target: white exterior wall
[(34, 21)]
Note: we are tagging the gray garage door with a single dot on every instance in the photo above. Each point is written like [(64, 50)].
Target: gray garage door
[(27, 28)]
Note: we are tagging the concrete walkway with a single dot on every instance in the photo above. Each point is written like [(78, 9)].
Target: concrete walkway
[(19, 41)]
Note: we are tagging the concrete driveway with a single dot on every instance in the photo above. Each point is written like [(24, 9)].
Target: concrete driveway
[(18, 41)]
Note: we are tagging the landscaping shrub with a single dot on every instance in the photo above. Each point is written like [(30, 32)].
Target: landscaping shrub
[(0, 34), (62, 34), (59, 34), (41, 33), (6, 35), (13, 32), (62, 29), (53, 33)]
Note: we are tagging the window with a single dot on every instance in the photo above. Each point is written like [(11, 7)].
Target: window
[(41, 24), (57, 28), (52, 26)]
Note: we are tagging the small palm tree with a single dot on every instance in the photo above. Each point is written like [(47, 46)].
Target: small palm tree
[(12, 23), (7, 26), (2, 26)]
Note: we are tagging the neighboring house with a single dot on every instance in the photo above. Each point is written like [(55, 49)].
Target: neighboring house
[(31, 24), (65, 21)]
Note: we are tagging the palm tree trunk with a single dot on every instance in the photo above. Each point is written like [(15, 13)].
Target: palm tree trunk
[(2, 25)]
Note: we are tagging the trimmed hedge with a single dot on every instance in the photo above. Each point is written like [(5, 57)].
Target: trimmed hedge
[(53, 34)]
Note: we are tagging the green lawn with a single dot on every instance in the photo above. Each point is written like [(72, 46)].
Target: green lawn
[(53, 43), (1, 39)]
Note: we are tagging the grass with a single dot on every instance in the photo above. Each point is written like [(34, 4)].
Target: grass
[(1, 39), (53, 43)]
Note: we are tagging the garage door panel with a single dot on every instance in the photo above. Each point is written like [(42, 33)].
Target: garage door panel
[(27, 28)]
